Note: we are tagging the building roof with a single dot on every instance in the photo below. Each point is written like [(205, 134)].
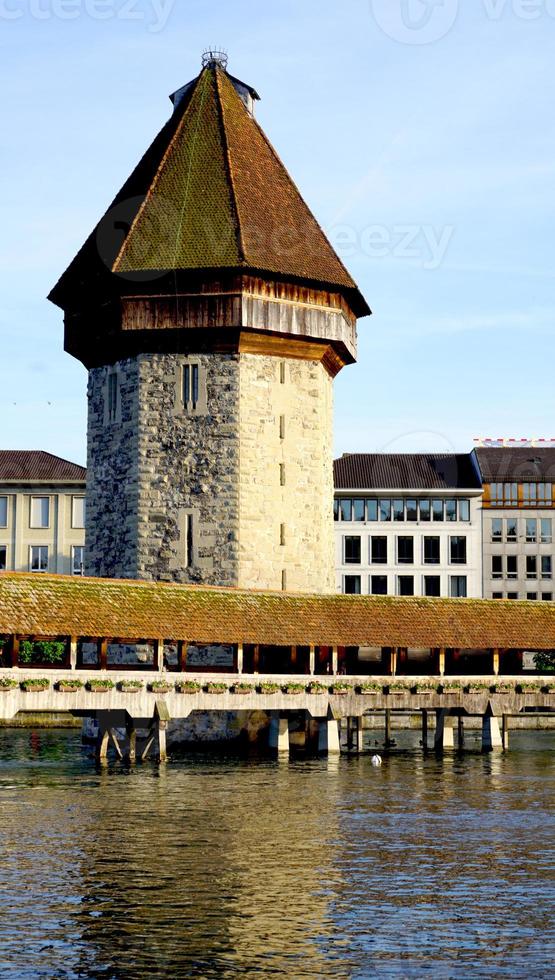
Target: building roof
[(405, 471), (27, 465), (62, 605), (517, 464), (210, 193)]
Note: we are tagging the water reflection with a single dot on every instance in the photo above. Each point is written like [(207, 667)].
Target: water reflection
[(234, 868)]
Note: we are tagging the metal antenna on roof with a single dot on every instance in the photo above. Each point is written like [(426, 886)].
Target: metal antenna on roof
[(214, 58)]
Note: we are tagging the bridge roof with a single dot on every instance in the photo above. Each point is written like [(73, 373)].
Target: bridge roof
[(61, 605)]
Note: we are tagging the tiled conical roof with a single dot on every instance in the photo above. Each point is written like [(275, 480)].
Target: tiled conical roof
[(210, 193)]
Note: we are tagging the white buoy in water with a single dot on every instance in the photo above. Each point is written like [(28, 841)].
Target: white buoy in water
[(376, 760)]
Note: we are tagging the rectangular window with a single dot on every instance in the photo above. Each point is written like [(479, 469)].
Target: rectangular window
[(450, 510), (431, 551), (282, 535), (378, 551), (497, 595), (282, 426), (458, 587), (512, 595), (282, 373), (385, 510), (497, 529), (190, 555), (512, 529), (40, 512), (351, 584), (112, 396), (464, 510), (191, 386), (336, 509), (529, 494), (358, 510), (531, 566), (398, 510), (432, 586), (545, 494), (437, 510), (510, 494), (38, 558), (457, 550), (497, 566), (512, 566), (282, 474), (532, 596), (3, 511), (547, 566), (547, 596), (346, 509), (3, 558), (546, 530), (405, 585), (425, 510), (412, 510), (379, 584), (77, 560), (496, 494), (78, 512), (405, 551), (531, 529), (372, 510), (351, 550)]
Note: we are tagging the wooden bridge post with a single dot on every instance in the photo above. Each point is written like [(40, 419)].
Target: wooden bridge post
[(240, 658), (182, 656), (73, 653), (505, 732), (495, 664), (387, 734), (334, 660), (102, 655), (312, 660), (424, 729), (460, 732), (102, 739), (132, 736), (441, 663), (13, 651)]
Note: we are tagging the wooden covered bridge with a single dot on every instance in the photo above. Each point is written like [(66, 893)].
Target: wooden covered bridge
[(131, 653)]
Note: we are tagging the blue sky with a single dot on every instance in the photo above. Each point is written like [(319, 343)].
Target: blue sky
[(420, 133)]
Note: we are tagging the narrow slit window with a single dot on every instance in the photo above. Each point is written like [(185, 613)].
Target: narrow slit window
[(112, 396), (191, 387)]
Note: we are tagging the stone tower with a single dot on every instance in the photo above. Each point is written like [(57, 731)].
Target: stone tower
[(212, 315)]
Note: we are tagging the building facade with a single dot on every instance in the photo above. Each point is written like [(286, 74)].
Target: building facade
[(408, 525), (212, 329), (518, 521), (42, 513)]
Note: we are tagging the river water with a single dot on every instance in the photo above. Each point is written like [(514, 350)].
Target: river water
[(228, 868)]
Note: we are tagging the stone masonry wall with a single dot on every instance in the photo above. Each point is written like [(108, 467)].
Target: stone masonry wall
[(286, 409)]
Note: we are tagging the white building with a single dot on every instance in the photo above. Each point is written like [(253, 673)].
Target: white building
[(408, 524), (518, 521), (42, 513)]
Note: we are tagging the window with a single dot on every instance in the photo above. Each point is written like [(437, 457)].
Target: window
[(40, 512), (351, 584), (547, 564), (3, 511), (372, 510), (457, 547), (336, 510), (464, 510), (77, 560), (38, 558), (432, 586), (531, 596), (497, 595), (546, 530), (512, 595), (496, 494), (351, 548), (3, 558), (437, 510), (358, 510), (512, 529), (497, 529), (282, 426), (282, 373), (385, 510), (497, 566), (547, 596), (425, 510), (431, 551), (531, 529), (398, 510), (405, 585), (282, 474), (545, 494), (512, 566), (405, 551), (531, 566), (282, 535), (346, 509), (191, 388), (529, 494), (78, 512), (458, 587), (450, 510), (112, 396), (412, 510), (510, 494), (379, 584), (378, 551)]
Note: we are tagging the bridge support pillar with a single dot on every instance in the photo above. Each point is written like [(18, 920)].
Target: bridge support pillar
[(354, 734), (328, 735), (505, 732), (101, 748), (387, 733), (444, 735), (424, 729), (132, 736), (278, 738), (491, 735), (460, 732)]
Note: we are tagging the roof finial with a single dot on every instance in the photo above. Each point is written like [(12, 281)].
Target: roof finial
[(213, 58)]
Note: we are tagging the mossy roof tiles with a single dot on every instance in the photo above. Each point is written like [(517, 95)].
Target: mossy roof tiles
[(61, 605)]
